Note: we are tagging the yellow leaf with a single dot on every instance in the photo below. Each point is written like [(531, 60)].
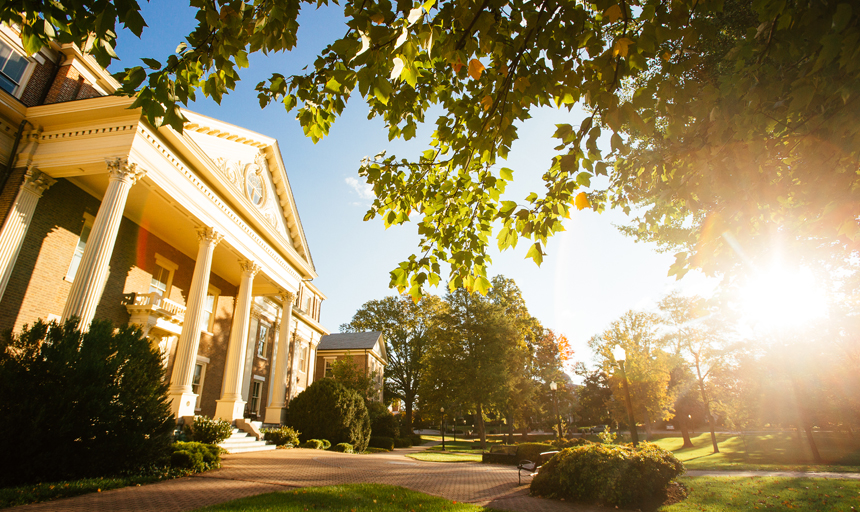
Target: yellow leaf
[(504, 70), (581, 201), (487, 102), (475, 69), (377, 18), (457, 66), (620, 47), (613, 13), (522, 83), (666, 56)]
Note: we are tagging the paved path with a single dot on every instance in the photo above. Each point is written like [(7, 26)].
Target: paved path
[(790, 474), (249, 474)]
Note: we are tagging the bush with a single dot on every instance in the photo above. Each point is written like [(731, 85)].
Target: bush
[(381, 442), (326, 444), (532, 451), (416, 440), (313, 444), (563, 443), (96, 403), (343, 447), (210, 431), (382, 422), (327, 410), (402, 442), (196, 457), (613, 475), (281, 436)]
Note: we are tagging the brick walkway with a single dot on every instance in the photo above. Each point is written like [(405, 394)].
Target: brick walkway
[(249, 474)]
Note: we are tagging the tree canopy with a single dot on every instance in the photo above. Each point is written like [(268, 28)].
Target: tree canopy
[(729, 122)]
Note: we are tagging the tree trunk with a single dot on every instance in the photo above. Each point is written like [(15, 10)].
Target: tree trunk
[(707, 405), (648, 427), (480, 421), (685, 432), (524, 433), (816, 457), (406, 420), (510, 419)]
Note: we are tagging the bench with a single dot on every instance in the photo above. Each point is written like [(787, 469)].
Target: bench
[(532, 467)]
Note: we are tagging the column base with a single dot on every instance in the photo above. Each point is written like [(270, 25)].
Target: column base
[(274, 415), (229, 409), (182, 404)]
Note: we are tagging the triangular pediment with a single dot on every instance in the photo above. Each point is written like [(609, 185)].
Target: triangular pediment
[(250, 167)]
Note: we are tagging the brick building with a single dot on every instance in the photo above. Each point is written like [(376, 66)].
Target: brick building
[(366, 349), (195, 237)]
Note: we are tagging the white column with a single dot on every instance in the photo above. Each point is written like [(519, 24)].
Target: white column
[(181, 396), (18, 220), (231, 406), (274, 413), (89, 281)]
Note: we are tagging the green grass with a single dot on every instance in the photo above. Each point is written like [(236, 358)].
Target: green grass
[(12, 496), (428, 456), (729, 494), (348, 498), (780, 451)]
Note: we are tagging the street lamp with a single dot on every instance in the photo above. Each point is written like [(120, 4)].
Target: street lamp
[(554, 386), (620, 356), (442, 426)]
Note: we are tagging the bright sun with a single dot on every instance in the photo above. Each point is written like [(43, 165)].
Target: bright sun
[(780, 298)]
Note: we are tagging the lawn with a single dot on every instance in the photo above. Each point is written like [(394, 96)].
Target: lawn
[(347, 498), (776, 451), (729, 494), (455, 451), (12, 496)]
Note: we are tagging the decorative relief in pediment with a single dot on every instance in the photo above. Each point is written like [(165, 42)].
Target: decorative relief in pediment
[(252, 181)]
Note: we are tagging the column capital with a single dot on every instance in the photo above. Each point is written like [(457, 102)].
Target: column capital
[(121, 170), (287, 297), (37, 182), (249, 267), (209, 235)]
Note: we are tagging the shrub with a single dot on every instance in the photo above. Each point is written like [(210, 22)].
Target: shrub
[(563, 443), (96, 403), (327, 410), (382, 422), (210, 431), (416, 440), (195, 457), (326, 444), (622, 476), (532, 451), (402, 442), (381, 442), (343, 447), (313, 444), (183, 459), (281, 436)]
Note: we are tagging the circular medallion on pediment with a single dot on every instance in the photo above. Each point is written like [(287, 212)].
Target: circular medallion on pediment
[(254, 188)]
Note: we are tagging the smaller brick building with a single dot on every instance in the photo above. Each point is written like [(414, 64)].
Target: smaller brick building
[(367, 350)]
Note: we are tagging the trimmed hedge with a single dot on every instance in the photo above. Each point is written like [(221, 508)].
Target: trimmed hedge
[(328, 410), (326, 444), (386, 443), (616, 475), (416, 440), (282, 436), (196, 457), (313, 444), (532, 451), (402, 442), (210, 431), (343, 447)]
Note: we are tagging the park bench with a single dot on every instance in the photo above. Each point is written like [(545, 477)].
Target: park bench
[(532, 467)]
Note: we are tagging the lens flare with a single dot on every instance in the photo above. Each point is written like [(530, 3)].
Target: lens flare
[(781, 298)]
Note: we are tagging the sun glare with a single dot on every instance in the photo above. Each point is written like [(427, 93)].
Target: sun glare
[(780, 298)]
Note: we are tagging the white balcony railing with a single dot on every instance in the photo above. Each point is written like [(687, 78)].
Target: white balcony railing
[(151, 309)]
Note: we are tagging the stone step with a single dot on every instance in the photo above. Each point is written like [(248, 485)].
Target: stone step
[(241, 442), (262, 447)]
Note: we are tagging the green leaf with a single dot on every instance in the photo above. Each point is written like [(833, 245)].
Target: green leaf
[(506, 174), (152, 63), (535, 253)]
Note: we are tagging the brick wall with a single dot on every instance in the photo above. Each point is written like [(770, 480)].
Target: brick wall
[(69, 85), (39, 83)]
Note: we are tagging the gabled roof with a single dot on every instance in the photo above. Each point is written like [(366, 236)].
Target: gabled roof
[(351, 341)]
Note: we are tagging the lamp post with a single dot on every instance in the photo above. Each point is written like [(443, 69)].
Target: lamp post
[(620, 356), (442, 426), (554, 386)]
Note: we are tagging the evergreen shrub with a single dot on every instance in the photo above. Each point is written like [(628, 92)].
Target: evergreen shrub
[(77, 405), (614, 475), (196, 457), (382, 422), (563, 443), (402, 442), (386, 443), (313, 444), (328, 410), (416, 440), (281, 436), (532, 451), (207, 430), (326, 444), (344, 447)]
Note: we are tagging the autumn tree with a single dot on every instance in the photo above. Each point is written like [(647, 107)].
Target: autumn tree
[(408, 329), (728, 120)]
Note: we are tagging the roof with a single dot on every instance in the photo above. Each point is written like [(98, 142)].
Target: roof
[(351, 341)]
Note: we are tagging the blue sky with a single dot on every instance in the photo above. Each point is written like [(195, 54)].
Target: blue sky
[(591, 275)]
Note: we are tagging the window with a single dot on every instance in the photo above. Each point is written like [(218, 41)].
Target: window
[(197, 382), (328, 364), (12, 67), (303, 359), (208, 320), (162, 277), (262, 337), (256, 391), (254, 188), (79, 249)]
